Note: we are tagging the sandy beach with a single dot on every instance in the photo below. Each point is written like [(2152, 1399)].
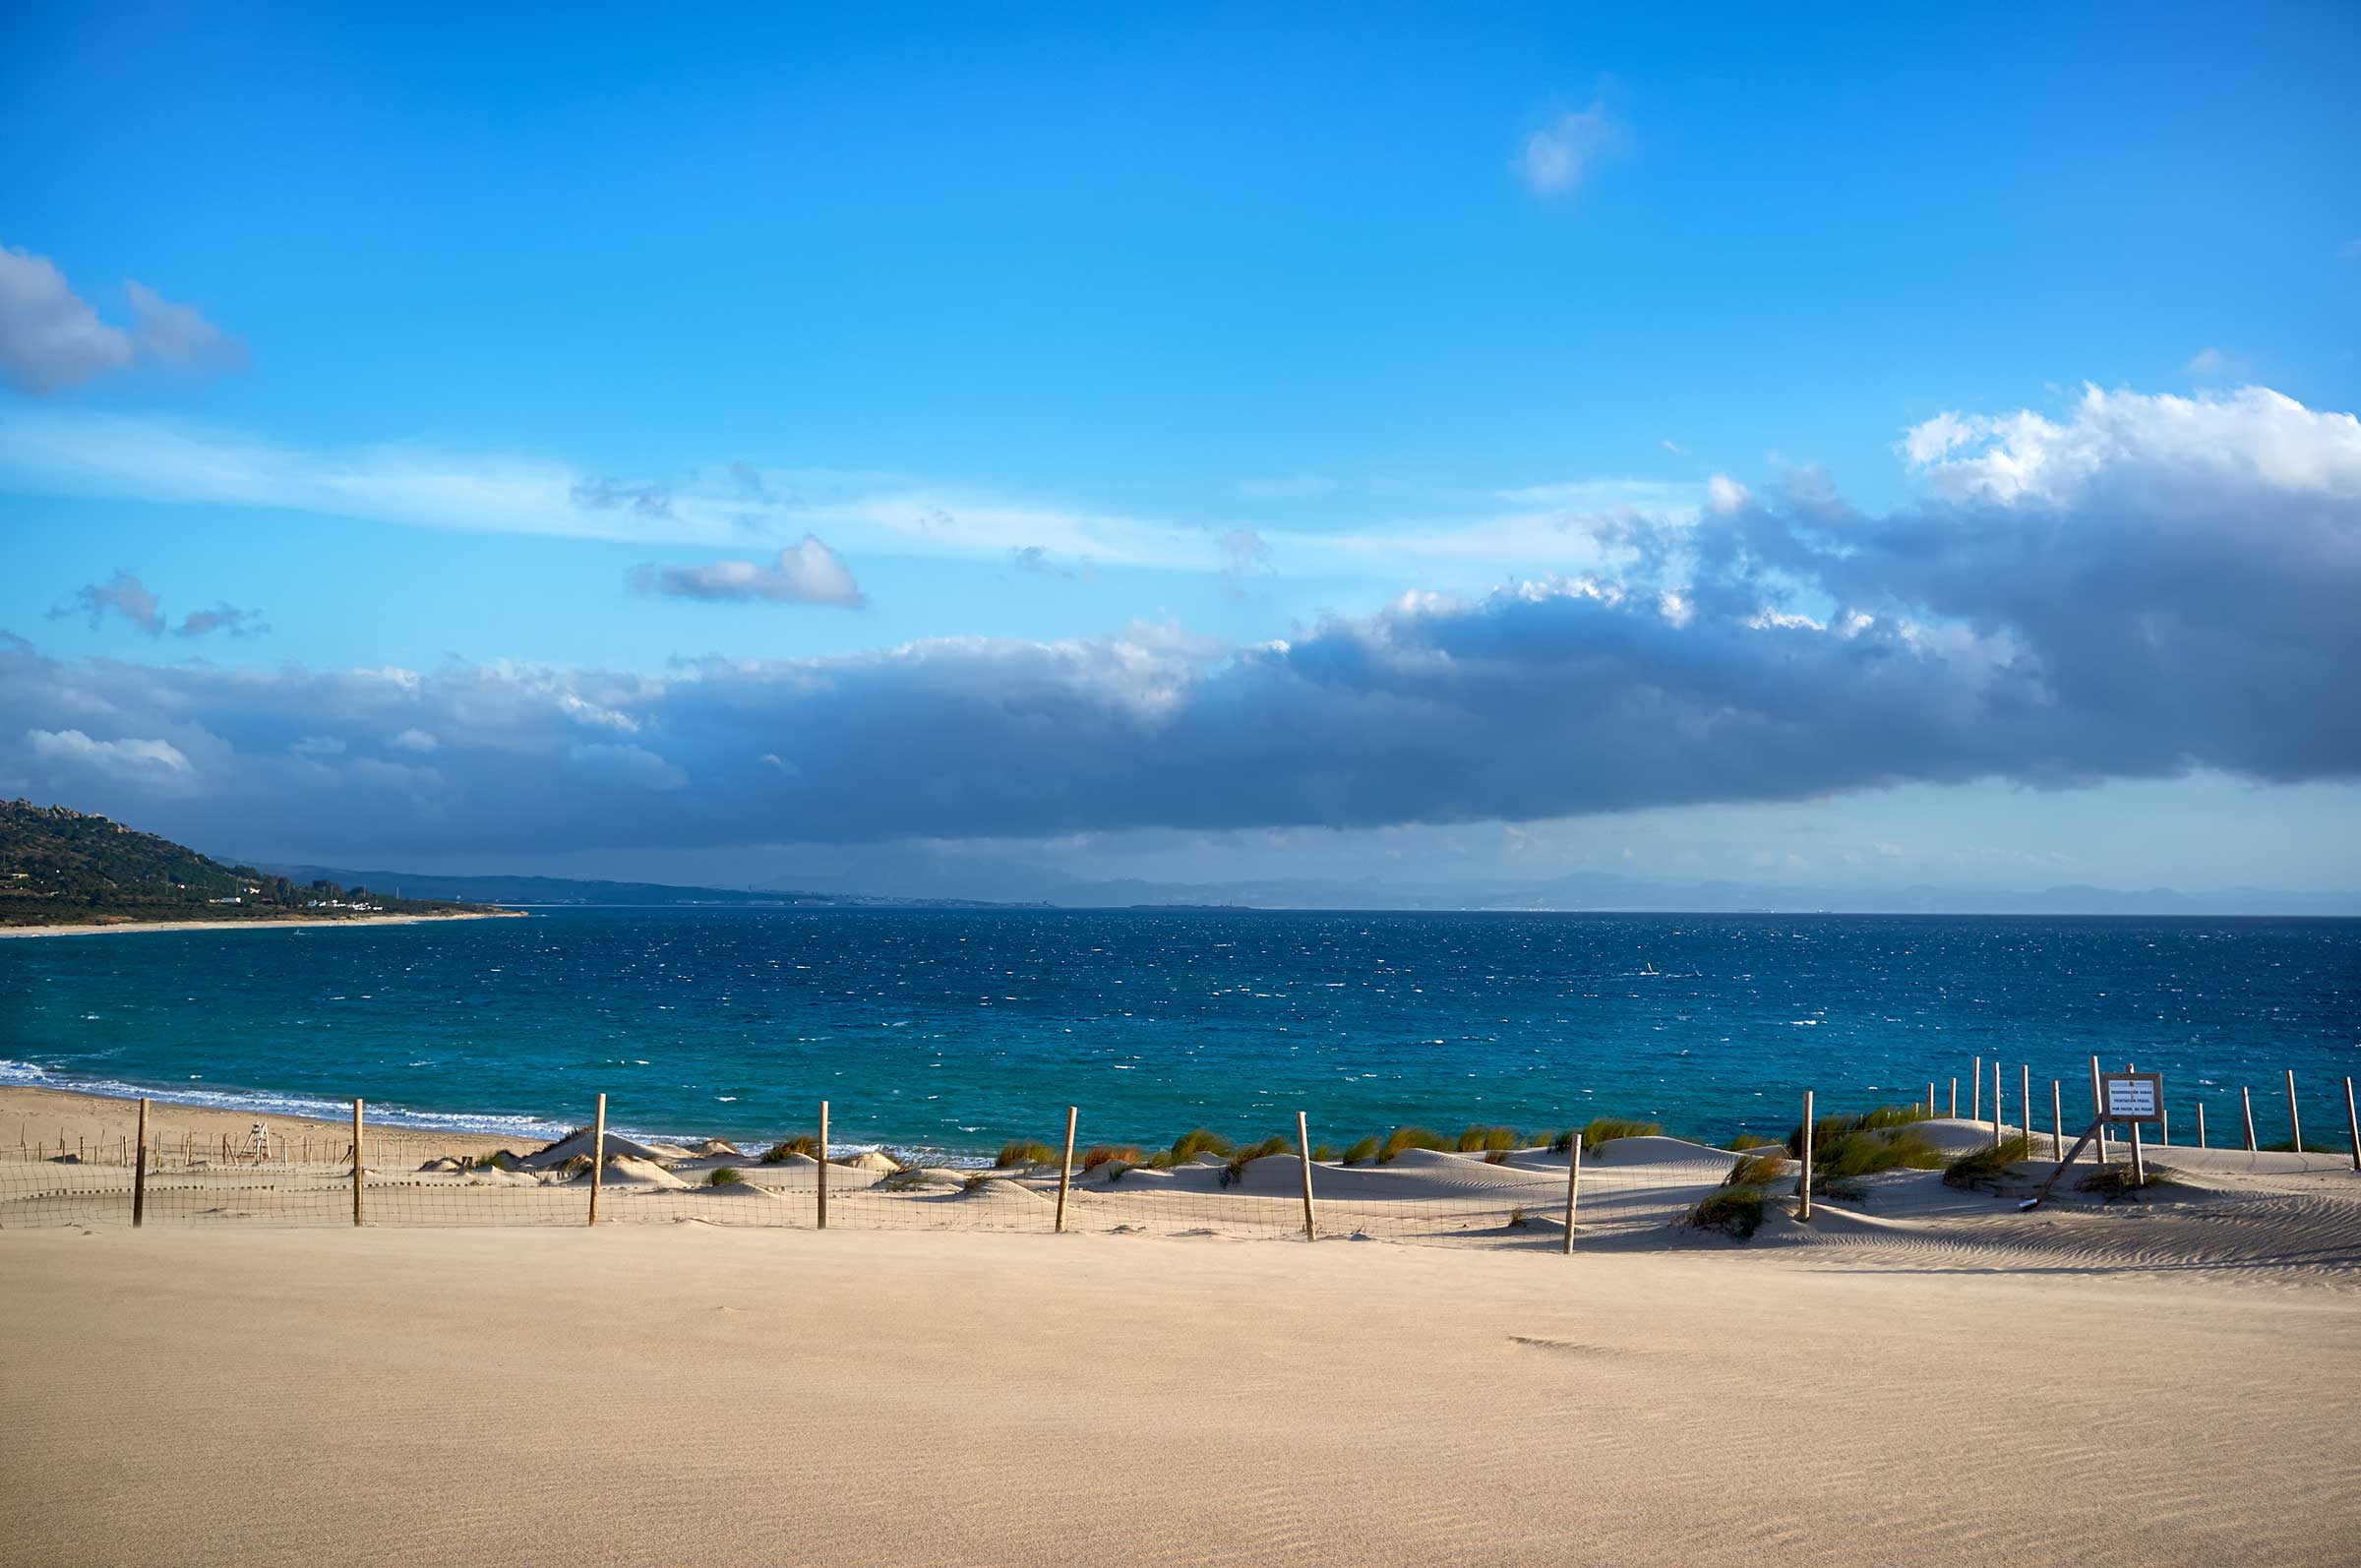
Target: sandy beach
[(101, 1128), (301, 923), (1918, 1372), (644, 1396)]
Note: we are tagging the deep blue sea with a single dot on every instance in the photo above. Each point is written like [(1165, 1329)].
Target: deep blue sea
[(953, 1031)]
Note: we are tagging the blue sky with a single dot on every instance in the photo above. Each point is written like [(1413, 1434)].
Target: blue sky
[(519, 350)]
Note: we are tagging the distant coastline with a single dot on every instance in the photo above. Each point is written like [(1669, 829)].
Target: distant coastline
[(295, 923)]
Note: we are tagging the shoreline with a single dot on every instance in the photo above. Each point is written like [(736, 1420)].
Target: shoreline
[(300, 923)]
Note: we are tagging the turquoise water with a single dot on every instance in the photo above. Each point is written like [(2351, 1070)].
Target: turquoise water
[(955, 1030)]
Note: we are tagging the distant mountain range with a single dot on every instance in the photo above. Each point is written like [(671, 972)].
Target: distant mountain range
[(922, 882), (549, 890)]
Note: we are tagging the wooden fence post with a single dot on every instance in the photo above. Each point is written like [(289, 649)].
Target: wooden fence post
[(1312, 1230), (2295, 1121), (1065, 1172), (1996, 1117), (140, 1169), (1805, 1212), (2201, 1123), (823, 1164), (1955, 1098), (598, 1155), (2246, 1110), (1574, 1186), (1930, 1099), (2163, 1126), (358, 1165), (2024, 1103), (2352, 1123), (2058, 1123), (1975, 1092)]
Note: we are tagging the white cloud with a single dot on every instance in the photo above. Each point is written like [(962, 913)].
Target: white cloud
[(807, 572), (54, 451), (130, 759), (2207, 362), (1556, 160), (1725, 495), (415, 740), (2174, 451), (51, 338)]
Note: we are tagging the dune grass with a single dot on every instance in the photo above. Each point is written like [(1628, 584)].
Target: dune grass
[(1401, 1138), (1488, 1140), (1359, 1150), (726, 1176), (1239, 1157), (1197, 1141), (786, 1149), (1866, 1152), (578, 1164), (1879, 1118), (1518, 1217), (1986, 1169), (1602, 1129), (1735, 1208), (1849, 1146), (1736, 1212), (1324, 1152), (1751, 1140), (1024, 1150), (1099, 1154)]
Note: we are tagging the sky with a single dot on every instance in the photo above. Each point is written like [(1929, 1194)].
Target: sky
[(1870, 448)]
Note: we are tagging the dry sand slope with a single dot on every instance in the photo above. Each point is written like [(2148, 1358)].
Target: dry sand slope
[(684, 1393)]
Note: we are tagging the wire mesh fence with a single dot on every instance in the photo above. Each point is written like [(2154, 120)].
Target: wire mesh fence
[(1483, 1186), (1426, 1189)]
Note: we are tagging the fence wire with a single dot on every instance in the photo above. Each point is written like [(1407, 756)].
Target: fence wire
[(305, 1177), (1487, 1187)]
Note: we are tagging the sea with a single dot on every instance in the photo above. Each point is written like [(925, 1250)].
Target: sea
[(951, 1031)]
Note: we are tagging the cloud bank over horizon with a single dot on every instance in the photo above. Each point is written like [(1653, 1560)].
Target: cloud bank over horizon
[(2137, 588)]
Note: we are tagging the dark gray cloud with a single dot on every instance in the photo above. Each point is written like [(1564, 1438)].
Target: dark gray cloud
[(121, 594), (125, 595), (52, 338), (224, 618), (2120, 619)]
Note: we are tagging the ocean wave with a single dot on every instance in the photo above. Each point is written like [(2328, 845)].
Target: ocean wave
[(265, 1102), (269, 1102)]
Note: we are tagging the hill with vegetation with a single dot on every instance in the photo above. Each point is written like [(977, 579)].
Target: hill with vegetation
[(61, 867)]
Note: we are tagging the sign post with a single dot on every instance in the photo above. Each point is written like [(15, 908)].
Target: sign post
[(2133, 1097)]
